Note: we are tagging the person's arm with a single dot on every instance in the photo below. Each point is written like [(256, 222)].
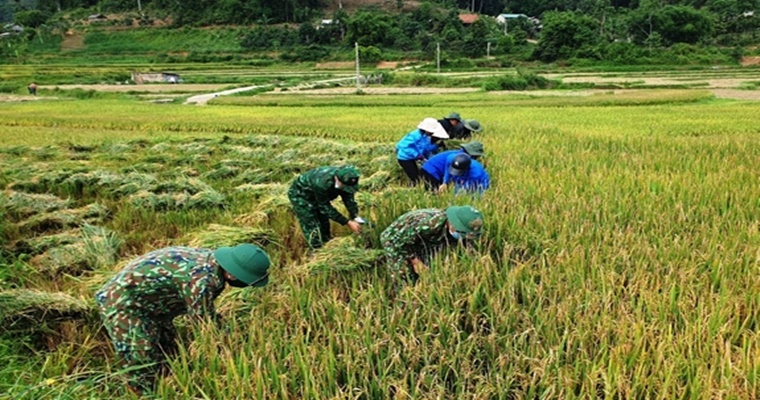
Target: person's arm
[(325, 206), (350, 203)]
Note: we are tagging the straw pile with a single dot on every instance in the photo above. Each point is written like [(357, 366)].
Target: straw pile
[(174, 200), (40, 244), (94, 248), (375, 182), (343, 254), (63, 219), (26, 309), (223, 235), (23, 205)]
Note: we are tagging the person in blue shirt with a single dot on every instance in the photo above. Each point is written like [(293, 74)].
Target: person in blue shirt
[(457, 167), (435, 168), (418, 145)]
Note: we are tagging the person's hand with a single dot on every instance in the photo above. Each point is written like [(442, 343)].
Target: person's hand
[(355, 227), (419, 266), (442, 188)]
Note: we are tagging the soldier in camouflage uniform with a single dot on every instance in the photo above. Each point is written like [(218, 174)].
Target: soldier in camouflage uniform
[(311, 194), (413, 237), (139, 303)]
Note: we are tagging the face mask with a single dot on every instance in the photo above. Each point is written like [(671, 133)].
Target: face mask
[(236, 283), (456, 235)]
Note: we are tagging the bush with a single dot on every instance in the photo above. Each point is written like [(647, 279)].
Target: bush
[(31, 18), (521, 81)]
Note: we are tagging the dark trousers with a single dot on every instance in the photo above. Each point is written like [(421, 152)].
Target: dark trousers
[(411, 170), (431, 182)]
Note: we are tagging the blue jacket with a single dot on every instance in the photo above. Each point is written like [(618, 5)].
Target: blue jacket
[(476, 180), (414, 146), (438, 165)]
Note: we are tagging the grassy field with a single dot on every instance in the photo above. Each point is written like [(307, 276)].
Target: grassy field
[(620, 256)]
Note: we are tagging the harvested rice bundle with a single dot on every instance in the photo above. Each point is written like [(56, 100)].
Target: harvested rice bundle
[(160, 147), (42, 182), (161, 201), (26, 309), (194, 148), (62, 219), (206, 199), (134, 182), (375, 182), (258, 190), (46, 152), (253, 176), (256, 218), (189, 185), (40, 244), (175, 201), (92, 179), (95, 248), (22, 205), (343, 254), (222, 172), (223, 235)]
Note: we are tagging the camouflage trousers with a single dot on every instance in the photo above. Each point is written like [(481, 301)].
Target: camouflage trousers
[(314, 225), (142, 344)]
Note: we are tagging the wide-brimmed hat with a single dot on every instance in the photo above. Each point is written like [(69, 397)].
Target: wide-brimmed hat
[(465, 219), (460, 165), (474, 148), (349, 176), (472, 125), (247, 262), (455, 116), (434, 127)]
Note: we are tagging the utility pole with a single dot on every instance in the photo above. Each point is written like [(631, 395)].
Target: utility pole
[(438, 57), (358, 75), (139, 6), (488, 50)]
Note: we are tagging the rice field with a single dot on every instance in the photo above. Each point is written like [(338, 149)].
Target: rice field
[(620, 256)]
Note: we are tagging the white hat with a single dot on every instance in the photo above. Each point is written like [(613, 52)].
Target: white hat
[(433, 126)]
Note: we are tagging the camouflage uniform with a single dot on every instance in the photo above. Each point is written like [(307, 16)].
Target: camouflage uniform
[(418, 233), (310, 195), (140, 302)]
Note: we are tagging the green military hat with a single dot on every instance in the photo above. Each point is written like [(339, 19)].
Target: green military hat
[(247, 262), (473, 125), (474, 149), (465, 219), (455, 116), (349, 176)]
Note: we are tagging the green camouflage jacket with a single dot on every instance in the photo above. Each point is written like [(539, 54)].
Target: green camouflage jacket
[(317, 187), (417, 233), (165, 283)]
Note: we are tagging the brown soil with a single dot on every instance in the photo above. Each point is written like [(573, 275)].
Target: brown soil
[(753, 60), (186, 88), (72, 41), (335, 65)]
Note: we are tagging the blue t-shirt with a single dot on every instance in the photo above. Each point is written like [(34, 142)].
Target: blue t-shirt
[(414, 146)]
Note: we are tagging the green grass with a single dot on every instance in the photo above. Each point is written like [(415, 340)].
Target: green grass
[(619, 258)]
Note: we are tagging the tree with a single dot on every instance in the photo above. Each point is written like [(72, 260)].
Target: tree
[(565, 33), (674, 24)]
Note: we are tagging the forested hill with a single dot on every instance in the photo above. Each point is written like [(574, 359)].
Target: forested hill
[(613, 31)]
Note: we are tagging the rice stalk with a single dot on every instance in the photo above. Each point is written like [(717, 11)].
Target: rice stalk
[(95, 248), (216, 235), (23, 205), (376, 182), (28, 309), (342, 254)]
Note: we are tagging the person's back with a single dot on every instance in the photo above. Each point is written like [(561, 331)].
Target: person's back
[(413, 146), (476, 179), (164, 284), (437, 165)]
